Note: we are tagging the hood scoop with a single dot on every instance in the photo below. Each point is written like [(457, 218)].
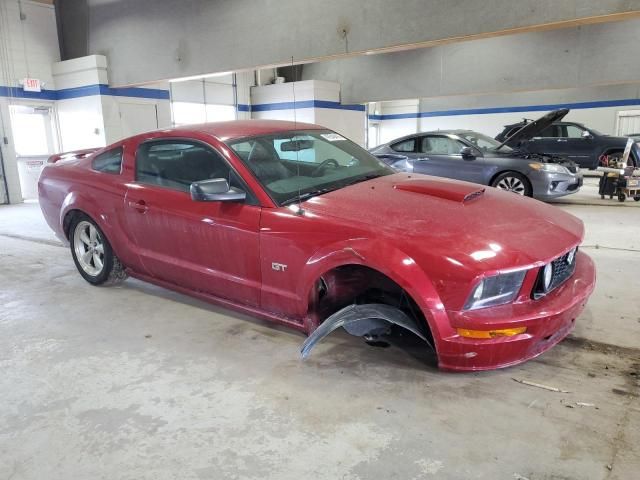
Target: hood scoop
[(460, 192)]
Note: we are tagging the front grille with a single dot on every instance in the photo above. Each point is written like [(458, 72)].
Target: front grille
[(562, 271)]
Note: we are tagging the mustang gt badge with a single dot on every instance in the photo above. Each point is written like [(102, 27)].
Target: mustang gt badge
[(278, 267)]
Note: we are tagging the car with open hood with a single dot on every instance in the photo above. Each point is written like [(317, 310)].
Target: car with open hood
[(584, 145), (297, 225), (475, 157)]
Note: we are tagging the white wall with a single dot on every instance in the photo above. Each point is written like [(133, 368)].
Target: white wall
[(601, 118), (204, 100), (350, 123), (98, 120), (28, 47)]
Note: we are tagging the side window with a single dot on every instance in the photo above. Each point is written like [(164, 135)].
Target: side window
[(573, 131), (108, 162), (178, 163), (551, 131), (437, 145), (407, 146)]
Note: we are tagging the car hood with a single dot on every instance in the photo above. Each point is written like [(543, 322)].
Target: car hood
[(465, 225), (532, 129)]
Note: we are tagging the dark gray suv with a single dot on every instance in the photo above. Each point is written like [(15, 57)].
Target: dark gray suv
[(573, 140)]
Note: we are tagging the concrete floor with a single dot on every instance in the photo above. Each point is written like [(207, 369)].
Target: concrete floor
[(139, 382)]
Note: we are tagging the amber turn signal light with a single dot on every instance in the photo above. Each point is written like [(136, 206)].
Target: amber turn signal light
[(505, 332)]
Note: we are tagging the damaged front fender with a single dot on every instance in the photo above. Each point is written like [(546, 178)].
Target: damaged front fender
[(361, 320)]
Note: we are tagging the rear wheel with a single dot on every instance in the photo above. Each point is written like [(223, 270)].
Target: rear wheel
[(92, 253), (513, 182)]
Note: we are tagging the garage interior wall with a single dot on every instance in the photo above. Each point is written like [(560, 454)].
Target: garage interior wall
[(83, 110), (464, 85), (309, 101), (210, 99), (197, 37), (28, 48)]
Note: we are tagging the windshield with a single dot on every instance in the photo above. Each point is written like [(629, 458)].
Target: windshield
[(483, 142), (302, 164)]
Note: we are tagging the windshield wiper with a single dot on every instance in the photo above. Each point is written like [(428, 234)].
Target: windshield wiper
[(364, 178), (320, 191), (308, 195)]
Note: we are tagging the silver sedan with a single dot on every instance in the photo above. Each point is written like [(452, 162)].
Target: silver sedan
[(474, 157)]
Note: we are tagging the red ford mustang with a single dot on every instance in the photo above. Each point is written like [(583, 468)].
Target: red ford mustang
[(296, 224)]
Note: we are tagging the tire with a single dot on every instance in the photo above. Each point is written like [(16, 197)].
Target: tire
[(513, 182), (92, 253), (636, 198)]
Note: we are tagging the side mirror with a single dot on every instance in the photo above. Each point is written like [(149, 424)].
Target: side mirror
[(587, 134), (467, 152), (215, 190)]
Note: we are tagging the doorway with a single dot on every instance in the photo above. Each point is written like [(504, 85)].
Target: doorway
[(35, 139), (628, 123)]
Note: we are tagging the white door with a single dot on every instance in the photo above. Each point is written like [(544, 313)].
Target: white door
[(628, 122), (138, 118), (35, 139)]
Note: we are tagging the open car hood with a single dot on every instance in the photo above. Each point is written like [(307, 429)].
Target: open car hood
[(531, 129)]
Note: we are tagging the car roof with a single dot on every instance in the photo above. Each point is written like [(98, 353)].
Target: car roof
[(432, 132), (234, 129)]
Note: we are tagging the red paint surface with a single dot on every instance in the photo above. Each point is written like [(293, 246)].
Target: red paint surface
[(417, 230)]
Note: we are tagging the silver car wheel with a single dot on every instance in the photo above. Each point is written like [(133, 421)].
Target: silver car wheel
[(89, 248), (512, 184)]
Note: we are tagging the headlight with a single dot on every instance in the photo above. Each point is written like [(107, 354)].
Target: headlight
[(497, 290), (547, 276), (549, 167)]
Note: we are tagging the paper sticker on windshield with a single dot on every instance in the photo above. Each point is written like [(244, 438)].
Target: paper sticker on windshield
[(332, 137)]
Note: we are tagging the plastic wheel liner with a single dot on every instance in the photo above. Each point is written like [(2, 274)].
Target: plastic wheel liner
[(360, 320)]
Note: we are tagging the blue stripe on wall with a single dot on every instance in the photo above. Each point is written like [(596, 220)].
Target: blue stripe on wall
[(525, 108), (85, 91), (265, 107), (18, 92), (243, 107)]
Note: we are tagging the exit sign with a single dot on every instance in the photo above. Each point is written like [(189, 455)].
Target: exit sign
[(31, 85)]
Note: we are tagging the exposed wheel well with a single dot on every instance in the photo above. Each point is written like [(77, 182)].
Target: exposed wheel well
[(358, 284), (68, 220)]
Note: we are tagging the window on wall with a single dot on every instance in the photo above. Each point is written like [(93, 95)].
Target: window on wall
[(220, 113), (187, 113), (33, 132)]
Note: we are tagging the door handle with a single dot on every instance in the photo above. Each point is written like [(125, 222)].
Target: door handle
[(140, 206), (562, 139)]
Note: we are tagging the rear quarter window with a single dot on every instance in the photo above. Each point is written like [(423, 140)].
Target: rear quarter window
[(405, 146), (108, 162)]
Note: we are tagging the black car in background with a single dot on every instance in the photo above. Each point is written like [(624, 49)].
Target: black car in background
[(572, 140)]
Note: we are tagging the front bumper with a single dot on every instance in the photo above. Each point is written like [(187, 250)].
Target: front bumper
[(548, 321), (547, 186)]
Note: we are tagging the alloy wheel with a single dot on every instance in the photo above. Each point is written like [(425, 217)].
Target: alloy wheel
[(89, 248), (512, 184)]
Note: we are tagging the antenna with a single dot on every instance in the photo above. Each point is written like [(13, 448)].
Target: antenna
[(295, 123)]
